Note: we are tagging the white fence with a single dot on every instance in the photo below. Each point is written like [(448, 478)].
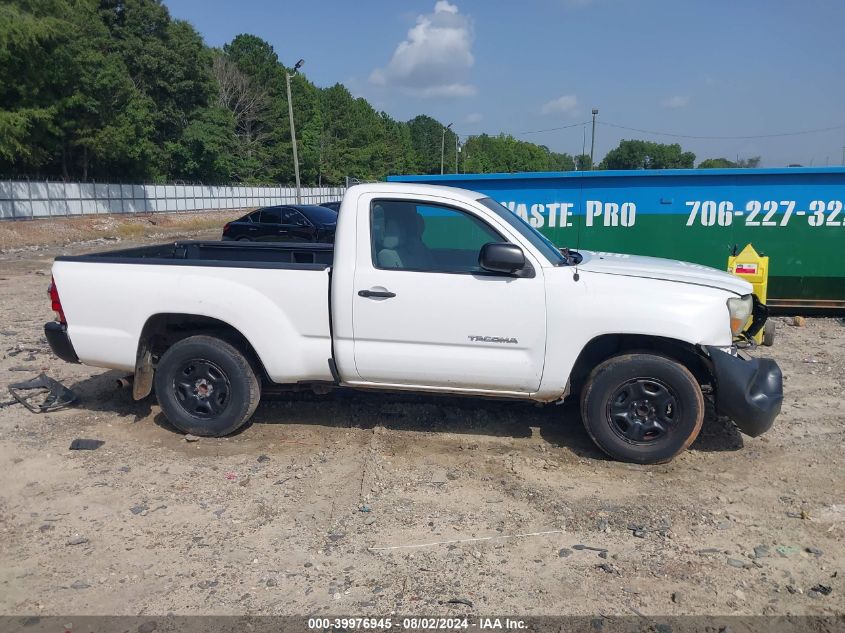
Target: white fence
[(23, 200)]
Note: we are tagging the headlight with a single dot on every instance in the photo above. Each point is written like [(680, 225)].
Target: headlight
[(739, 309)]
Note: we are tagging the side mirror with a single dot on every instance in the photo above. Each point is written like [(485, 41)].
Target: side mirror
[(501, 257)]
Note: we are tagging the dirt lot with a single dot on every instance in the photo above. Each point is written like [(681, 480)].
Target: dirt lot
[(37, 234), (371, 504)]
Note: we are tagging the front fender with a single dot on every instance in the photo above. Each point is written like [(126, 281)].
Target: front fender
[(597, 304)]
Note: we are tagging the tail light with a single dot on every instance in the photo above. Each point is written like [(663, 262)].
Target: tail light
[(226, 227), (56, 302)]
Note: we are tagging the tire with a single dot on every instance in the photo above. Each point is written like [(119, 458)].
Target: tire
[(205, 386), (642, 408), (244, 239), (769, 333)]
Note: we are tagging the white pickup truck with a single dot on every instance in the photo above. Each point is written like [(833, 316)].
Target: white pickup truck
[(426, 288)]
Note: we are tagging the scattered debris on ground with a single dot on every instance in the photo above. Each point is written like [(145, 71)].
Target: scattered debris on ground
[(42, 394), (82, 444), (505, 507)]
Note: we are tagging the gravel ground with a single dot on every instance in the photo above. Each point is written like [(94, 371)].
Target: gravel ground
[(368, 504), (33, 235)]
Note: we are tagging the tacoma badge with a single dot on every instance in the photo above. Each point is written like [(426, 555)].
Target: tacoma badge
[(492, 339)]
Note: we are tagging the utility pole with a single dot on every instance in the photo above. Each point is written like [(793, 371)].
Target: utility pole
[(456, 153), (843, 155), (443, 147), (593, 144), (293, 131)]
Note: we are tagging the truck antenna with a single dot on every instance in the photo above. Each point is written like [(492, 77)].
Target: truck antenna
[(578, 255)]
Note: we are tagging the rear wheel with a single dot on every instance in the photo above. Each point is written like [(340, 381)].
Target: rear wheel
[(244, 239), (205, 386), (642, 408)]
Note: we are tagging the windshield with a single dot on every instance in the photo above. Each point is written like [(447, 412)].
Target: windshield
[(319, 215), (537, 239)]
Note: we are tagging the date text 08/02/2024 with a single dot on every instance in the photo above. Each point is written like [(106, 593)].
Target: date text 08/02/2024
[(767, 213)]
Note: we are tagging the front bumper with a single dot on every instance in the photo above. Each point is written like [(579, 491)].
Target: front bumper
[(59, 341), (748, 390)]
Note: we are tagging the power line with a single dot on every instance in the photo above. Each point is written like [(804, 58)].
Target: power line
[(747, 136), (555, 129), (690, 136)]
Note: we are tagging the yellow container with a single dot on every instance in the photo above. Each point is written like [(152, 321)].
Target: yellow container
[(754, 268)]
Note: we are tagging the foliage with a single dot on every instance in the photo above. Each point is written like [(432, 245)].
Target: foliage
[(647, 155), (506, 154), (716, 163), (118, 90), (724, 163)]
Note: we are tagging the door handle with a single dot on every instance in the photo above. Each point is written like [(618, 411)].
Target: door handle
[(384, 294)]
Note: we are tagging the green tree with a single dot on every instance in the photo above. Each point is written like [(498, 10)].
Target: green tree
[(748, 163), (647, 155), (30, 37), (716, 163), (582, 162), (206, 149), (116, 89), (504, 153), (426, 142), (251, 84), (724, 163)]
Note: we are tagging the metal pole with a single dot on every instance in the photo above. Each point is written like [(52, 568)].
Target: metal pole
[(456, 153), (293, 141), (443, 146), (442, 149), (843, 155), (593, 143)]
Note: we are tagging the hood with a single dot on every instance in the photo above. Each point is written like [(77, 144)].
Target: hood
[(664, 269)]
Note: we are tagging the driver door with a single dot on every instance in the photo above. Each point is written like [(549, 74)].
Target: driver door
[(425, 314)]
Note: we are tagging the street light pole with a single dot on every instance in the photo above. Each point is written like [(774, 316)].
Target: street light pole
[(293, 131), (443, 146), (593, 143), (456, 153)]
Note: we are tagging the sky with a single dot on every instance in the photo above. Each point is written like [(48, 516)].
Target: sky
[(715, 68)]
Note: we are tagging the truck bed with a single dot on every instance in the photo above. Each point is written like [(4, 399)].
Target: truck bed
[(274, 294), (304, 256)]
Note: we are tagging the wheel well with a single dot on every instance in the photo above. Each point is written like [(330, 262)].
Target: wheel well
[(606, 346), (163, 330)]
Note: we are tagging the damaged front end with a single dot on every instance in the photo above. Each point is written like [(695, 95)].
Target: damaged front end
[(759, 316), (748, 390)]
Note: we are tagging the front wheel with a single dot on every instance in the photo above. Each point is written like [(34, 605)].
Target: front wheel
[(205, 386), (642, 408)]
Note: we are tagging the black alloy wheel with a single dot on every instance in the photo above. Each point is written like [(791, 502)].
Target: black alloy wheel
[(201, 388), (206, 386), (642, 410)]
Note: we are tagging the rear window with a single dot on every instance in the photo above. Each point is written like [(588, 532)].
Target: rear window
[(271, 216), (319, 215)]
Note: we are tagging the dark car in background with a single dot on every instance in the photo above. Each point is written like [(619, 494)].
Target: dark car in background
[(334, 206), (284, 223)]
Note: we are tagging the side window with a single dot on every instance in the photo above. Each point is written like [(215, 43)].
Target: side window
[(425, 237), (255, 216), (292, 216), (271, 215)]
